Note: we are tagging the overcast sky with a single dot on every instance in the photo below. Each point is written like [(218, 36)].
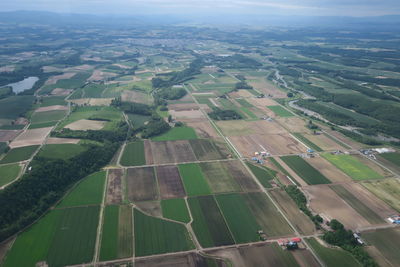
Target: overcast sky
[(278, 7)]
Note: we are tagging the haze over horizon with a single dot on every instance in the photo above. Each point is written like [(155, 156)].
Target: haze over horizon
[(354, 8)]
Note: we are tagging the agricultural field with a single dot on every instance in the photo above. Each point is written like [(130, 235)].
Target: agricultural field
[(137, 120), (239, 218), (42, 125), (280, 111), (307, 142), (156, 236), (193, 180), (219, 178), (19, 154), (352, 167), (141, 184), (388, 190), (61, 151), (177, 133), (89, 191), (31, 137), (175, 209), (263, 174), (333, 257), (208, 223), (117, 233), (133, 154), (9, 173), (62, 237), (307, 172), (47, 116), (386, 241), (393, 157)]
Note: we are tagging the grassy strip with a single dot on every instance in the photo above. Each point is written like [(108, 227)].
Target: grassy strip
[(393, 157), (109, 237)]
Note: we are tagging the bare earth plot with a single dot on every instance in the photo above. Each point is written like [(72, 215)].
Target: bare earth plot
[(169, 182), (141, 184), (267, 88), (323, 141), (172, 152), (51, 108), (148, 153), (61, 92), (330, 206), (241, 176), (31, 137), (293, 124), (185, 260), (152, 208), (203, 128), (56, 140), (114, 188), (99, 75), (243, 128), (8, 135), (86, 125), (183, 107)]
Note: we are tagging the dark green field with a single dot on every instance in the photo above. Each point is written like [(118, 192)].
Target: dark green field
[(307, 172), (156, 236), (46, 116), (52, 100), (393, 157), (133, 154), (138, 120), (12, 107), (109, 236), (193, 180), (333, 257), (208, 222), (240, 220), (175, 209), (42, 125), (88, 192), (61, 151), (19, 154), (177, 133), (8, 173), (387, 241), (263, 174)]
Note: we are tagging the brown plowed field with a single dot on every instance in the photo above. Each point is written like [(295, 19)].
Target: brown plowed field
[(150, 207), (276, 144), (31, 137), (61, 92), (56, 140), (54, 79), (187, 114), (169, 182), (51, 108), (172, 152), (183, 106), (185, 260), (324, 142), (147, 152), (266, 87), (114, 189), (243, 128), (203, 129), (141, 184), (328, 170), (241, 176), (8, 135), (304, 258), (84, 125), (289, 207), (330, 206), (136, 96)]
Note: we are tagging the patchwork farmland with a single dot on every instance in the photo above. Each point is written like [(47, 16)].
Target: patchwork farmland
[(149, 155)]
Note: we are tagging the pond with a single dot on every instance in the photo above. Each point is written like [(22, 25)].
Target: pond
[(23, 85)]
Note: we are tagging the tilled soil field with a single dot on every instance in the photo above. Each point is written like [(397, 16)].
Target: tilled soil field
[(114, 189), (169, 182), (141, 184)]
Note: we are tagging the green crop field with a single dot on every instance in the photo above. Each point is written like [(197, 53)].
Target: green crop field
[(177, 133), (263, 174), (116, 239), (88, 192), (193, 180), (19, 154), (307, 172), (156, 236), (46, 116), (133, 154), (218, 178), (62, 237), (52, 100), (111, 114), (307, 142), (8, 173), (393, 157), (12, 107), (333, 257), (75, 237), (138, 120), (208, 222), (280, 111), (243, 102), (387, 241), (93, 90), (42, 125), (61, 151), (175, 209), (267, 215), (359, 206), (352, 167), (248, 113), (240, 220)]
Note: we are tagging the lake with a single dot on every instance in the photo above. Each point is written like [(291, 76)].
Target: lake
[(23, 85)]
